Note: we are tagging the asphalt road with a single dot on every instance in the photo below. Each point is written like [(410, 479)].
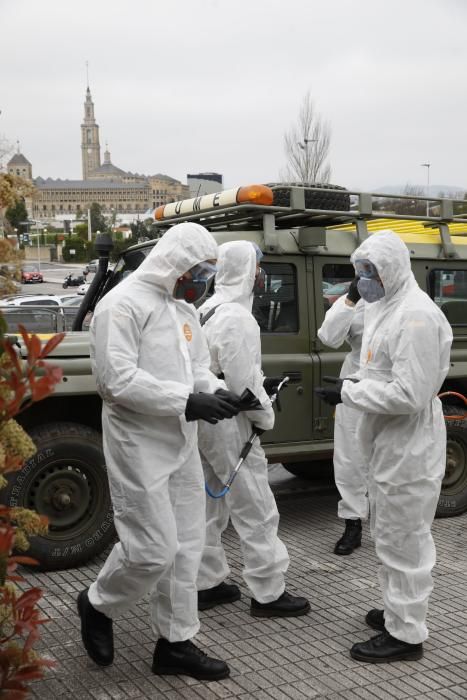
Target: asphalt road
[(54, 275)]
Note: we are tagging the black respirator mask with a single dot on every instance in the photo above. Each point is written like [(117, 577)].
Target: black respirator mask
[(194, 289)]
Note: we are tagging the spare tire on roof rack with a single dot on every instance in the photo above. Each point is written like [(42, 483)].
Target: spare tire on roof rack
[(326, 198)]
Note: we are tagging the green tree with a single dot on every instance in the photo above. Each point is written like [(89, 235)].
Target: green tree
[(16, 214), (81, 230), (79, 247), (98, 222)]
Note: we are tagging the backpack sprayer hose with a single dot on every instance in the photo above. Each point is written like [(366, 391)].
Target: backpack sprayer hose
[(256, 432)]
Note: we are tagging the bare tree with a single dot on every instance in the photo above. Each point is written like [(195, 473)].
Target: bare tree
[(6, 149), (306, 146), (409, 207)]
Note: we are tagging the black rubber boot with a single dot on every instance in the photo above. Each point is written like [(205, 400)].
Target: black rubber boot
[(219, 595), (375, 619), (184, 658), (96, 631), (351, 539), (384, 648), (285, 606)]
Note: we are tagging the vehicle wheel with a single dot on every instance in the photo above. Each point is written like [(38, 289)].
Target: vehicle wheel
[(66, 480), (64, 285), (310, 471), (335, 201), (453, 497)]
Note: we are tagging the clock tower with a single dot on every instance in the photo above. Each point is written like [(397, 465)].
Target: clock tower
[(90, 147)]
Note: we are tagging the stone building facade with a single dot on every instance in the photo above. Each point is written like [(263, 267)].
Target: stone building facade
[(114, 189)]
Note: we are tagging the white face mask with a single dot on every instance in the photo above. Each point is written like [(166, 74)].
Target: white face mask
[(370, 289)]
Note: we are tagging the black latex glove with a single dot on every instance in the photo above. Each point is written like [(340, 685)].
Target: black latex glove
[(331, 395), (270, 384), (208, 407), (229, 396), (353, 294)]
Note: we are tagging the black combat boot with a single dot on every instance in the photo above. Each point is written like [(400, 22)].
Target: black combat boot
[(351, 539), (96, 631), (385, 648), (184, 658), (375, 619), (285, 606), (218, 595)]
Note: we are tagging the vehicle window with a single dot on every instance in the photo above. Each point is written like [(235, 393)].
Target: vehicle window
[(40, 302), (128, 263), (448, 289), (336, 282), (276, 308)]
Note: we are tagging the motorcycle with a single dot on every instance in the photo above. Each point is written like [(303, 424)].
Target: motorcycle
[(73, 281)]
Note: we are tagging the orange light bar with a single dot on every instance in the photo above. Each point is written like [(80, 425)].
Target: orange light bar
[(255, 194), (159, 212)]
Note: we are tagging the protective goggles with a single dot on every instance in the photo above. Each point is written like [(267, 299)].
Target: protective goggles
[(203, 271), (258, 251), (365, 269)]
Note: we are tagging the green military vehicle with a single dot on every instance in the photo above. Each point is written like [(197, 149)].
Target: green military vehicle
[(307, 234)]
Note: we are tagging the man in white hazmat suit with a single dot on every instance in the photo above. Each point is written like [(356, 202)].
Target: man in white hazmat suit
[(344, 323), (151, 362), (233, 337), (404, 360)]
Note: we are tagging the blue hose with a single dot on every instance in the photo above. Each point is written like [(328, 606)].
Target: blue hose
[(216, 495)]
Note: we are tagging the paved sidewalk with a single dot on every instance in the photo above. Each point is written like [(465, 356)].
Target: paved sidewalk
[(277, 659)]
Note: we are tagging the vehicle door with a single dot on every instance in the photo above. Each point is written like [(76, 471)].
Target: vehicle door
[(328, 275), (282, 313), (446, 283)]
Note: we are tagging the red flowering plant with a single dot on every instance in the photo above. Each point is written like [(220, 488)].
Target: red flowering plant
[(22, 382)]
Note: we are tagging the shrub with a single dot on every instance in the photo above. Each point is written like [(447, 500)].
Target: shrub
[(21, 384)]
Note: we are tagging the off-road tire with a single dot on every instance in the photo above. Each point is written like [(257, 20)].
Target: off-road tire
[(324, 199), (67, 481), (453, 498)]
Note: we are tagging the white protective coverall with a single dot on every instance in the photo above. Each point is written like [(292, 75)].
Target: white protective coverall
[(345, 323), (404, 360), (233, 337), (148, 354)]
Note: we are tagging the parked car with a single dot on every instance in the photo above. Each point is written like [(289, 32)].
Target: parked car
[(40, 313), (91, 266), (31, 300), (83, 288), (73, 300), (31, 274)]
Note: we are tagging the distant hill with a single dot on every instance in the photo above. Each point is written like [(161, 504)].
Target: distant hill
[(434, 189)]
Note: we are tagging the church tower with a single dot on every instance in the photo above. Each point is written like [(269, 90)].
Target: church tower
[(90, 147)]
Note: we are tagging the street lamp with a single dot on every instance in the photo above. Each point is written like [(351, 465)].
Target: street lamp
[(427, 166)]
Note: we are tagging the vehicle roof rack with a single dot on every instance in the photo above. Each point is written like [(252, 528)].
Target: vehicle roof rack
[(288, 206)]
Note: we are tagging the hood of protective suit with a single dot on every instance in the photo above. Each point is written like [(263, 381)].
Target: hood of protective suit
[(235, 277), (391, 258), (179, 249)]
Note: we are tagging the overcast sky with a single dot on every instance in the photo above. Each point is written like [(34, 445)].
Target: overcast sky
[(194, 85)]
